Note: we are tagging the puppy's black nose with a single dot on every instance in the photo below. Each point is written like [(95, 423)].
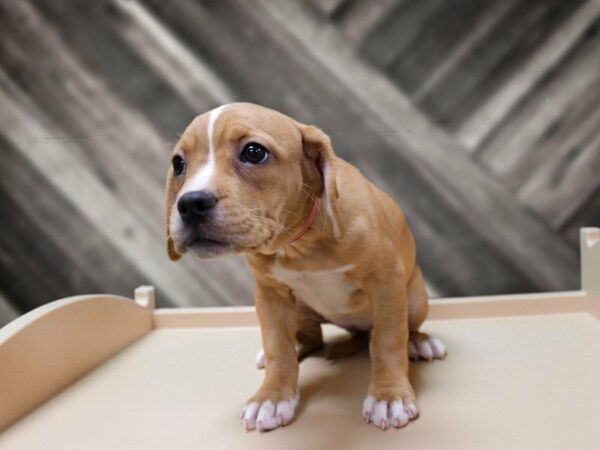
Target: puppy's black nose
[(195, 206)]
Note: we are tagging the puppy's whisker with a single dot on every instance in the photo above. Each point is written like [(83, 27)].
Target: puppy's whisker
[(307, 186), (310, 193), (289, 211), (285, 232)]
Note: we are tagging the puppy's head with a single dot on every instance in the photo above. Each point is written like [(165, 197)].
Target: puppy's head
[(242, 178)]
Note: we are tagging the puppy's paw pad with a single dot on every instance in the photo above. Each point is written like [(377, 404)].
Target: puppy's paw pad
[(260, 359), (267, 415), (384, 414), (423, 346)]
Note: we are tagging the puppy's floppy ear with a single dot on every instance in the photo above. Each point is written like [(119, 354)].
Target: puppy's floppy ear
[(317, 148), (169, 199)]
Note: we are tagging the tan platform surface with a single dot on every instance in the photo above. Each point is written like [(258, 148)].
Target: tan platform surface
[(508, 382)]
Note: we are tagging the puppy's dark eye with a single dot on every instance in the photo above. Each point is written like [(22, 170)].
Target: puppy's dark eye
[(178, 164), (254, 153)]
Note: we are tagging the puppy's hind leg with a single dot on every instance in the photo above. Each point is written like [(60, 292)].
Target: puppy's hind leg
[(309, 337), (421, 345), (358, 341)]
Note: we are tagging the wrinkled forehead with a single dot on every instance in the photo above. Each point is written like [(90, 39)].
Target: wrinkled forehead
[(237, 121)]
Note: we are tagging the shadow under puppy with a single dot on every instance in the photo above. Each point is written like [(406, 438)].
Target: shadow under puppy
[(323, 243)]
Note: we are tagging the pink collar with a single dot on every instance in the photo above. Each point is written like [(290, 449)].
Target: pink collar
[(309, 221)]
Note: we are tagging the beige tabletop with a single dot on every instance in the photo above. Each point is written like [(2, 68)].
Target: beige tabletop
[(508, 382)]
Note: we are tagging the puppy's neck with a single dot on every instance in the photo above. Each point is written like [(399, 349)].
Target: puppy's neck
[(318, 236), (316, 202), (297, 242)]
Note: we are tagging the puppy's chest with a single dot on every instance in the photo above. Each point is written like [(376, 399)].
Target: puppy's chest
[(326, 291)]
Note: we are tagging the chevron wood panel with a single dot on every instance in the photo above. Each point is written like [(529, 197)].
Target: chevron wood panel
[(479, 117)]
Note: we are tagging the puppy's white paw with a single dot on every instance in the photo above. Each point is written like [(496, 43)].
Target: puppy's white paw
[(267, 415), (385, 414), (260, 359), (423, 346)]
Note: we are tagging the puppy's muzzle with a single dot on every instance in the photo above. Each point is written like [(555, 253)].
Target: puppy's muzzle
[(196, 207)]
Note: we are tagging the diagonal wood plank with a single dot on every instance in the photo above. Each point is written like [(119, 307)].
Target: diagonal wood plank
[(540, 115), (361, 15), (16, 259), (113, 141), (45, 230), (494, 59), (436, 37), (90, 34), (484, 25), (141, 248), (330, 7), (396, 30), (64, 171), (487, 117), (136, 120), (570, 177), (191, 77)]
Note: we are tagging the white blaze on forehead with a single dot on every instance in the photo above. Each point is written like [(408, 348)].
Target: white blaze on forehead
[(205, 173)]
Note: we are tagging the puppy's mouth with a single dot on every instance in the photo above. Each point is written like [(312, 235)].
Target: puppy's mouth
[(204, 240), (208, 246), (212, 239)]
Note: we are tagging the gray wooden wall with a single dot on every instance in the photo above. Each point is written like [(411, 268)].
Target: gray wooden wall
[(480, 117)]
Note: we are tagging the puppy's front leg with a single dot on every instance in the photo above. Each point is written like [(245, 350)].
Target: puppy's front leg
[(391, 399), (274, 403)]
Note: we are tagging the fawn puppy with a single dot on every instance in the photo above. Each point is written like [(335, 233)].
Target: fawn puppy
[(323, 243)]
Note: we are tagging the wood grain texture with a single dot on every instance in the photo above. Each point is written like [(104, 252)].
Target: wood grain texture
[(490, 64), (397, 30), (550, 58), (35, 230), (437, 36), (120, 149), (480, 118), (361, 15)]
